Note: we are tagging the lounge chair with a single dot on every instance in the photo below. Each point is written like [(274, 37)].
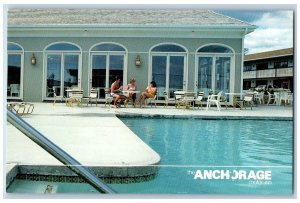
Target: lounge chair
[(214, 99), (21, 109)]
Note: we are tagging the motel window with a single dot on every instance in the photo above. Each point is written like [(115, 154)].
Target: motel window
[(281, 64), (262, 66), (290, 63)]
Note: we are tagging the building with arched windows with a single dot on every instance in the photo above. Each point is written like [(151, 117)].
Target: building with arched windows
[(53, 49)]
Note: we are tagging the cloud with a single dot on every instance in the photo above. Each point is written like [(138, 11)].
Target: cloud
[(275, 31)]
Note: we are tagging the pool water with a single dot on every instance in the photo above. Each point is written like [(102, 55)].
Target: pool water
[(191, 146)]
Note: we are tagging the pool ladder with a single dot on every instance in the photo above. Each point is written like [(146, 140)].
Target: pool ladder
[(58, 153)]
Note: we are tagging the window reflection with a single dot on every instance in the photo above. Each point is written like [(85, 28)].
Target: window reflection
[(215, 49), (63, 47), (14, 75), (107, 65), (70, 71), (62, 68), (168, 48), (108, 47), (53, 75), (13, 47)]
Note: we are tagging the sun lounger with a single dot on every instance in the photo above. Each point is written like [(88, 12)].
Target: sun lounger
[(21, 109)]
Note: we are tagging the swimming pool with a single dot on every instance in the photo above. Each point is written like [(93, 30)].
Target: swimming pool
[(196, 153), (204, 157)]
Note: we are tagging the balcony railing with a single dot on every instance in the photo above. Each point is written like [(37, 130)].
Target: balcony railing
[(268, 73)]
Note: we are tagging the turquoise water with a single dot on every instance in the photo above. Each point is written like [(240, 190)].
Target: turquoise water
[(187, 146)]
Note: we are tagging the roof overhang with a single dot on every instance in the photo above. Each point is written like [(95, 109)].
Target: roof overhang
[(89, 30), (270, 57)]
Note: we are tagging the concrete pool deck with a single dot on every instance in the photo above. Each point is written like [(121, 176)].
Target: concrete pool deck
[(97, 138)]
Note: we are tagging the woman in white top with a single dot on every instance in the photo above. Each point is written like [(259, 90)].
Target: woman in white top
[(132, 86)]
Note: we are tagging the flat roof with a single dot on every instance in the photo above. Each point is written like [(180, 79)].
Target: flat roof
[(122, 17), (269, 54)]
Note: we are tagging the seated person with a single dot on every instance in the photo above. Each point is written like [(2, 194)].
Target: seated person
[(132, 86), (149, 93), (116, 91)]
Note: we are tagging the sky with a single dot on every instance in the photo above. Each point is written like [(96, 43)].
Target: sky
[(274, 28)]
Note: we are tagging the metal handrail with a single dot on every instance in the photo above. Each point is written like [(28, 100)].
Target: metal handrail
[(58, 153)]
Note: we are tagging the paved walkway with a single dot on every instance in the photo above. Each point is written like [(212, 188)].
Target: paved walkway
[(96, 137)]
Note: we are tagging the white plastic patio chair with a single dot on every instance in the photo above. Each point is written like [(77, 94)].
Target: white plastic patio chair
[(259, 97), (214, 99), (284, 97), (14, 90), (290, 98), (248, 99), (277, 98), (270, 98)]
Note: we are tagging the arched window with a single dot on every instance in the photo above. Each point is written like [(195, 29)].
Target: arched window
[(108, 60), (15, 54), (107, 47), (62, 66), (214, 49), (213, 67), (62, 47), (168, 48), (168, 68)]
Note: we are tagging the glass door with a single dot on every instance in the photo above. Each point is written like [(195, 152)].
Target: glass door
[(213, 74), (168, 73), (176, 75), (14, 75), (62, 72), (159, 74), (98, 78), (105, 67), (222, 74), (71, 72), (54, 66), (204, 75)]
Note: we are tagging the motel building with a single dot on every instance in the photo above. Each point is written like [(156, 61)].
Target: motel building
[(273, 68), (50, 50)]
